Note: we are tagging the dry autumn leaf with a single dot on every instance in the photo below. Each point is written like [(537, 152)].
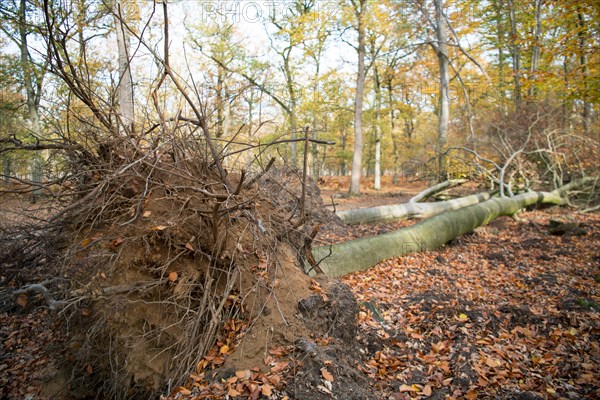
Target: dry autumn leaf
[(407, 388), (266, 390), (427, 391), (224, 349), (243, 374), (326, 375)]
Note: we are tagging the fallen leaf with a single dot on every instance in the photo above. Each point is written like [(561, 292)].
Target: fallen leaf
[(266, 390), (463, 317), (146, 214), (243, 374), (406, 388), (189, 247), (224, 349), (427, 390), (173, 276), (159, 228), (327, 375)]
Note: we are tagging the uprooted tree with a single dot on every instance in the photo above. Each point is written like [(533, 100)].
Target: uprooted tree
[(148, 241), (151, 239)]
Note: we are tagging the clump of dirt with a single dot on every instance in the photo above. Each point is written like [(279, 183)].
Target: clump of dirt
[(329, 355)]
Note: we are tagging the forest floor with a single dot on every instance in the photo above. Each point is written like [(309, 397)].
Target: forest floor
[(511, 311)]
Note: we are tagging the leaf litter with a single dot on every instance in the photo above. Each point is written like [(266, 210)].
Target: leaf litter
[(510, 311)]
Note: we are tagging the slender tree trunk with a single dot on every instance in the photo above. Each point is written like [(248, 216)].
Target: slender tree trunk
[(220, 101), (26, 66), (292, 113), (314, 149), (500, 37), (125, 85), (444, 101), (535, 54), (343, 142), (516, 55), (395, 145), (250, 112), (360, 9), (587, 106), (377, 183)]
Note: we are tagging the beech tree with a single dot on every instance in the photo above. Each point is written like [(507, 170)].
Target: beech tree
[(359, 9), (18, 26)]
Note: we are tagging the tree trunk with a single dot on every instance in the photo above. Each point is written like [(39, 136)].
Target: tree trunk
[(430, 234), (316, 112), (409, 210), (500, 37), (444, 101), (587, 106), (292, 110), (221, 98), (27, 67), (125, 84), (516, 54), (377, 183), (535, 54), (395, 145), (360, 10)]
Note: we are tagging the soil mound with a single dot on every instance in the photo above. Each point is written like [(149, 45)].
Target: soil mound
[(168, 268)]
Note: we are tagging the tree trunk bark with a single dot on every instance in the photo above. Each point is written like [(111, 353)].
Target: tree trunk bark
[(27, 67), (409, 210), (292, 110), (377, 182), (587, 106), (444, 102), (516, 54), (125, 84), (360, 10), (535, 54), (430, 234)]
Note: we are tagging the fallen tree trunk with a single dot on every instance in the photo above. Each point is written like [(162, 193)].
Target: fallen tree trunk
[(440, 187), (407, 210), (362, 254)]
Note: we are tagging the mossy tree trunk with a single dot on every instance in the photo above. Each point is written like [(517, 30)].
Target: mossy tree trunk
[(429, 234)]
